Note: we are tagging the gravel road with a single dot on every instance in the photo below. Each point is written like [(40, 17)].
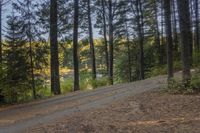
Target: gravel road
[(18, 118)]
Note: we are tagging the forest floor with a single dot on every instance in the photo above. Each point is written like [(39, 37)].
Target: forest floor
[(149, 112), (138, 107)]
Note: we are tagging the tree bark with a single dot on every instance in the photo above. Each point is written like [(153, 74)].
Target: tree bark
[(168, 26), (31, 54), (197, 45), (129, 53), (110, 42), (55, 80), (175, 35), (1, 31), (157, 36), (140, 25), (105, 37), (32, 70), (75, 46), (185, 33), (191, 28), (92, 50)]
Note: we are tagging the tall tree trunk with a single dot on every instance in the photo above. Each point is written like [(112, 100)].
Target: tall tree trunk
[(192, 28), (105, 37), (141, 38), (1, 96), (55, 80), (157, 36), (110, 42), (162, 35), (1, 31), (197, 45), (75, 46), (185, 32), (92, 51), (129, 54), (32, 69), (175, 35), (167, 10), (31, 54)]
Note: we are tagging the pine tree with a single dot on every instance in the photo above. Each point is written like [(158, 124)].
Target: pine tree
[(197, 43), (111, 39), (26, 10), (101, 24), (17, 66), (55, 80), (186, 38), (140, 30), (1, 31), (87, 29), (75, 46), (2, 4), (167, 9)]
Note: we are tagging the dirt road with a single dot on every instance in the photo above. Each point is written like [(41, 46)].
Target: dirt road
[(22, 117)]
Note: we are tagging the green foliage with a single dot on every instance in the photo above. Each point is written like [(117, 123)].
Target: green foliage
[(101, 82), (67, 85), (195, 81), (122, 69), (177, 87), (196, 59), (177, 66), (86, 83), (158, 70), (162, 69)]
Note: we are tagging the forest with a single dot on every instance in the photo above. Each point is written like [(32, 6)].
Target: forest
[(52, 47)]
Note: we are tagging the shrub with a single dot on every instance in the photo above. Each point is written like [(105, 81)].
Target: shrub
[(67, 86), (178, 87)]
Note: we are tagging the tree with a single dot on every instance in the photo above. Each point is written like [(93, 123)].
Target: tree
[(140, 30), (105, 35), (157, 34), (0, 31), (110, 24), (167, 9), (92, 51), (75, 46), (175, 33), (55, 80), (197, 44), (185, 34), (102, 24), (2, 3), (17, 67), (26, 9)]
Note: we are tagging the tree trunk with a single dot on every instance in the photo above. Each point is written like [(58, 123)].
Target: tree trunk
[(55, 80), (0, 31), (92, 51), (129, 54), (75, 46), (141, 38), (110, 42), (105, 37), (185, 33), (175, 35), (197, 25), (191, 28), (157, 36), (32, 69), (167, 10), (162, 35), (31, 55)]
